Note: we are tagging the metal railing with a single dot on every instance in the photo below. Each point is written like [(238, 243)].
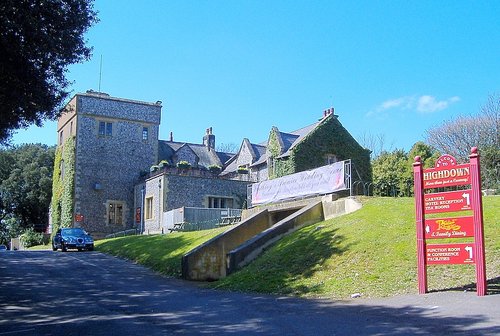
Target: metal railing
[(130, 232)]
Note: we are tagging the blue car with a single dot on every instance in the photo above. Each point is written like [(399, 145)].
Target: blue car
[(72, 238)]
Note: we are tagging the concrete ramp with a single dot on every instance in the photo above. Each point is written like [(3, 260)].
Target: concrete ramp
[(249, 250), (235, 248)]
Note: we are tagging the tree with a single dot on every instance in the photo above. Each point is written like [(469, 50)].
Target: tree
[(390, 174), (375, 143), (26, 186), (39, 39), (457, 136), (428, 155), (228, 147)]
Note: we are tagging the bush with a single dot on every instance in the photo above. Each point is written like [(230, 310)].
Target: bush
[(31, 238), (153, 168)]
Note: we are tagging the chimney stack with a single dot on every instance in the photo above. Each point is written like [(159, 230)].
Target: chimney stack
[(171, 136), (328, 112), (209, 139)]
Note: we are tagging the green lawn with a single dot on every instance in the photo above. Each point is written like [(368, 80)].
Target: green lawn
[(371, 251), (162, 253)]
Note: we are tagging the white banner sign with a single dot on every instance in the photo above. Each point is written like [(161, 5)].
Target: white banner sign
[(323, 180)]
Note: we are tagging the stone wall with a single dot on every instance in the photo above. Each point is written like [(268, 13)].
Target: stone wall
[(170, 191), (108, 167), (245, 155), (186, 154), (194, 191), (66, 124)]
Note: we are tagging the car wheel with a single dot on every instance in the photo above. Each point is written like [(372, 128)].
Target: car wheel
[(63, 247), (91, 248), (54, 248)]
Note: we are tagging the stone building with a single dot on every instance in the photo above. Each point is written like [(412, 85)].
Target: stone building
[(200, 185), (109, 142), (106, 148), (323, 142), (112, 173)]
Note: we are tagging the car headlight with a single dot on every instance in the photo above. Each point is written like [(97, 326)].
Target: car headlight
[(89, 240)]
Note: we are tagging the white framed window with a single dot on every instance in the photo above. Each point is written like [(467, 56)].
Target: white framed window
[(149, 207), (145, 133), (105, 129)]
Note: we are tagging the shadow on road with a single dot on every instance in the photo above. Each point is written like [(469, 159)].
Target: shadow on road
[(46, 293), (493, 287)]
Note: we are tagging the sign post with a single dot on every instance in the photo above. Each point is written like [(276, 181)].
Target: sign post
[(448, 174)]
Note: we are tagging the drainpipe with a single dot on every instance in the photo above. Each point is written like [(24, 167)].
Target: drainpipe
[(159, 204), (142, 208)]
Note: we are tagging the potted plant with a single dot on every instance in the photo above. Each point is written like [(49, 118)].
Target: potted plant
[(153, 168), (183, 165), (242, 170), (163, 163), (215, 169)]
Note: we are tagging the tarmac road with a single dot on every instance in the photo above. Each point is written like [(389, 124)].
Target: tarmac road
[(90, 293)]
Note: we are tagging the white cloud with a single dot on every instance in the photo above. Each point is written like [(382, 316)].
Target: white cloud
[(429, 104), (393, 103), (422, 104)]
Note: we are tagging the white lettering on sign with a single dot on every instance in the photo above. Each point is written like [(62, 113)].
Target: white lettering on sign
[(321, 180), (452, 172)]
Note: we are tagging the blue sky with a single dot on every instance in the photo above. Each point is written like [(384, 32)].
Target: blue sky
[(391, 68)]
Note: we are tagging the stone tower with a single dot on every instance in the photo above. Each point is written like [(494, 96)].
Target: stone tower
[(104, 144)]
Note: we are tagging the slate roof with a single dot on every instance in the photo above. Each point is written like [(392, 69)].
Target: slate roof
[(206, 157), (289, 140), (259, 151)]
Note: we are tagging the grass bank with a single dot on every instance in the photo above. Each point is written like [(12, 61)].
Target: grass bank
[(371, 251), (162, 253)]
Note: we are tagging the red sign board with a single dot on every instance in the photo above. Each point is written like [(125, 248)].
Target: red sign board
[(445, 160), (138, 215), (448, 201), (447, 173), (79, 217), (450, 253), (457, 227), (447, 176)]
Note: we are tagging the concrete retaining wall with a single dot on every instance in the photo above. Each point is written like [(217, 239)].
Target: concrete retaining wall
[(208, 261), (241, 244), (334, 208), (249, 250)]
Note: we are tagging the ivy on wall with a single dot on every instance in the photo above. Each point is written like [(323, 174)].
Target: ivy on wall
[(63, 185), (330, 137), (278, 167)]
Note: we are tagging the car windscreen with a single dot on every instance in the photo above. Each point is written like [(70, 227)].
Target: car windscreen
[(73, 232)]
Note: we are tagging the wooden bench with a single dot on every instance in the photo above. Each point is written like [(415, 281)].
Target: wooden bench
[(177, 227), (230, 220)]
